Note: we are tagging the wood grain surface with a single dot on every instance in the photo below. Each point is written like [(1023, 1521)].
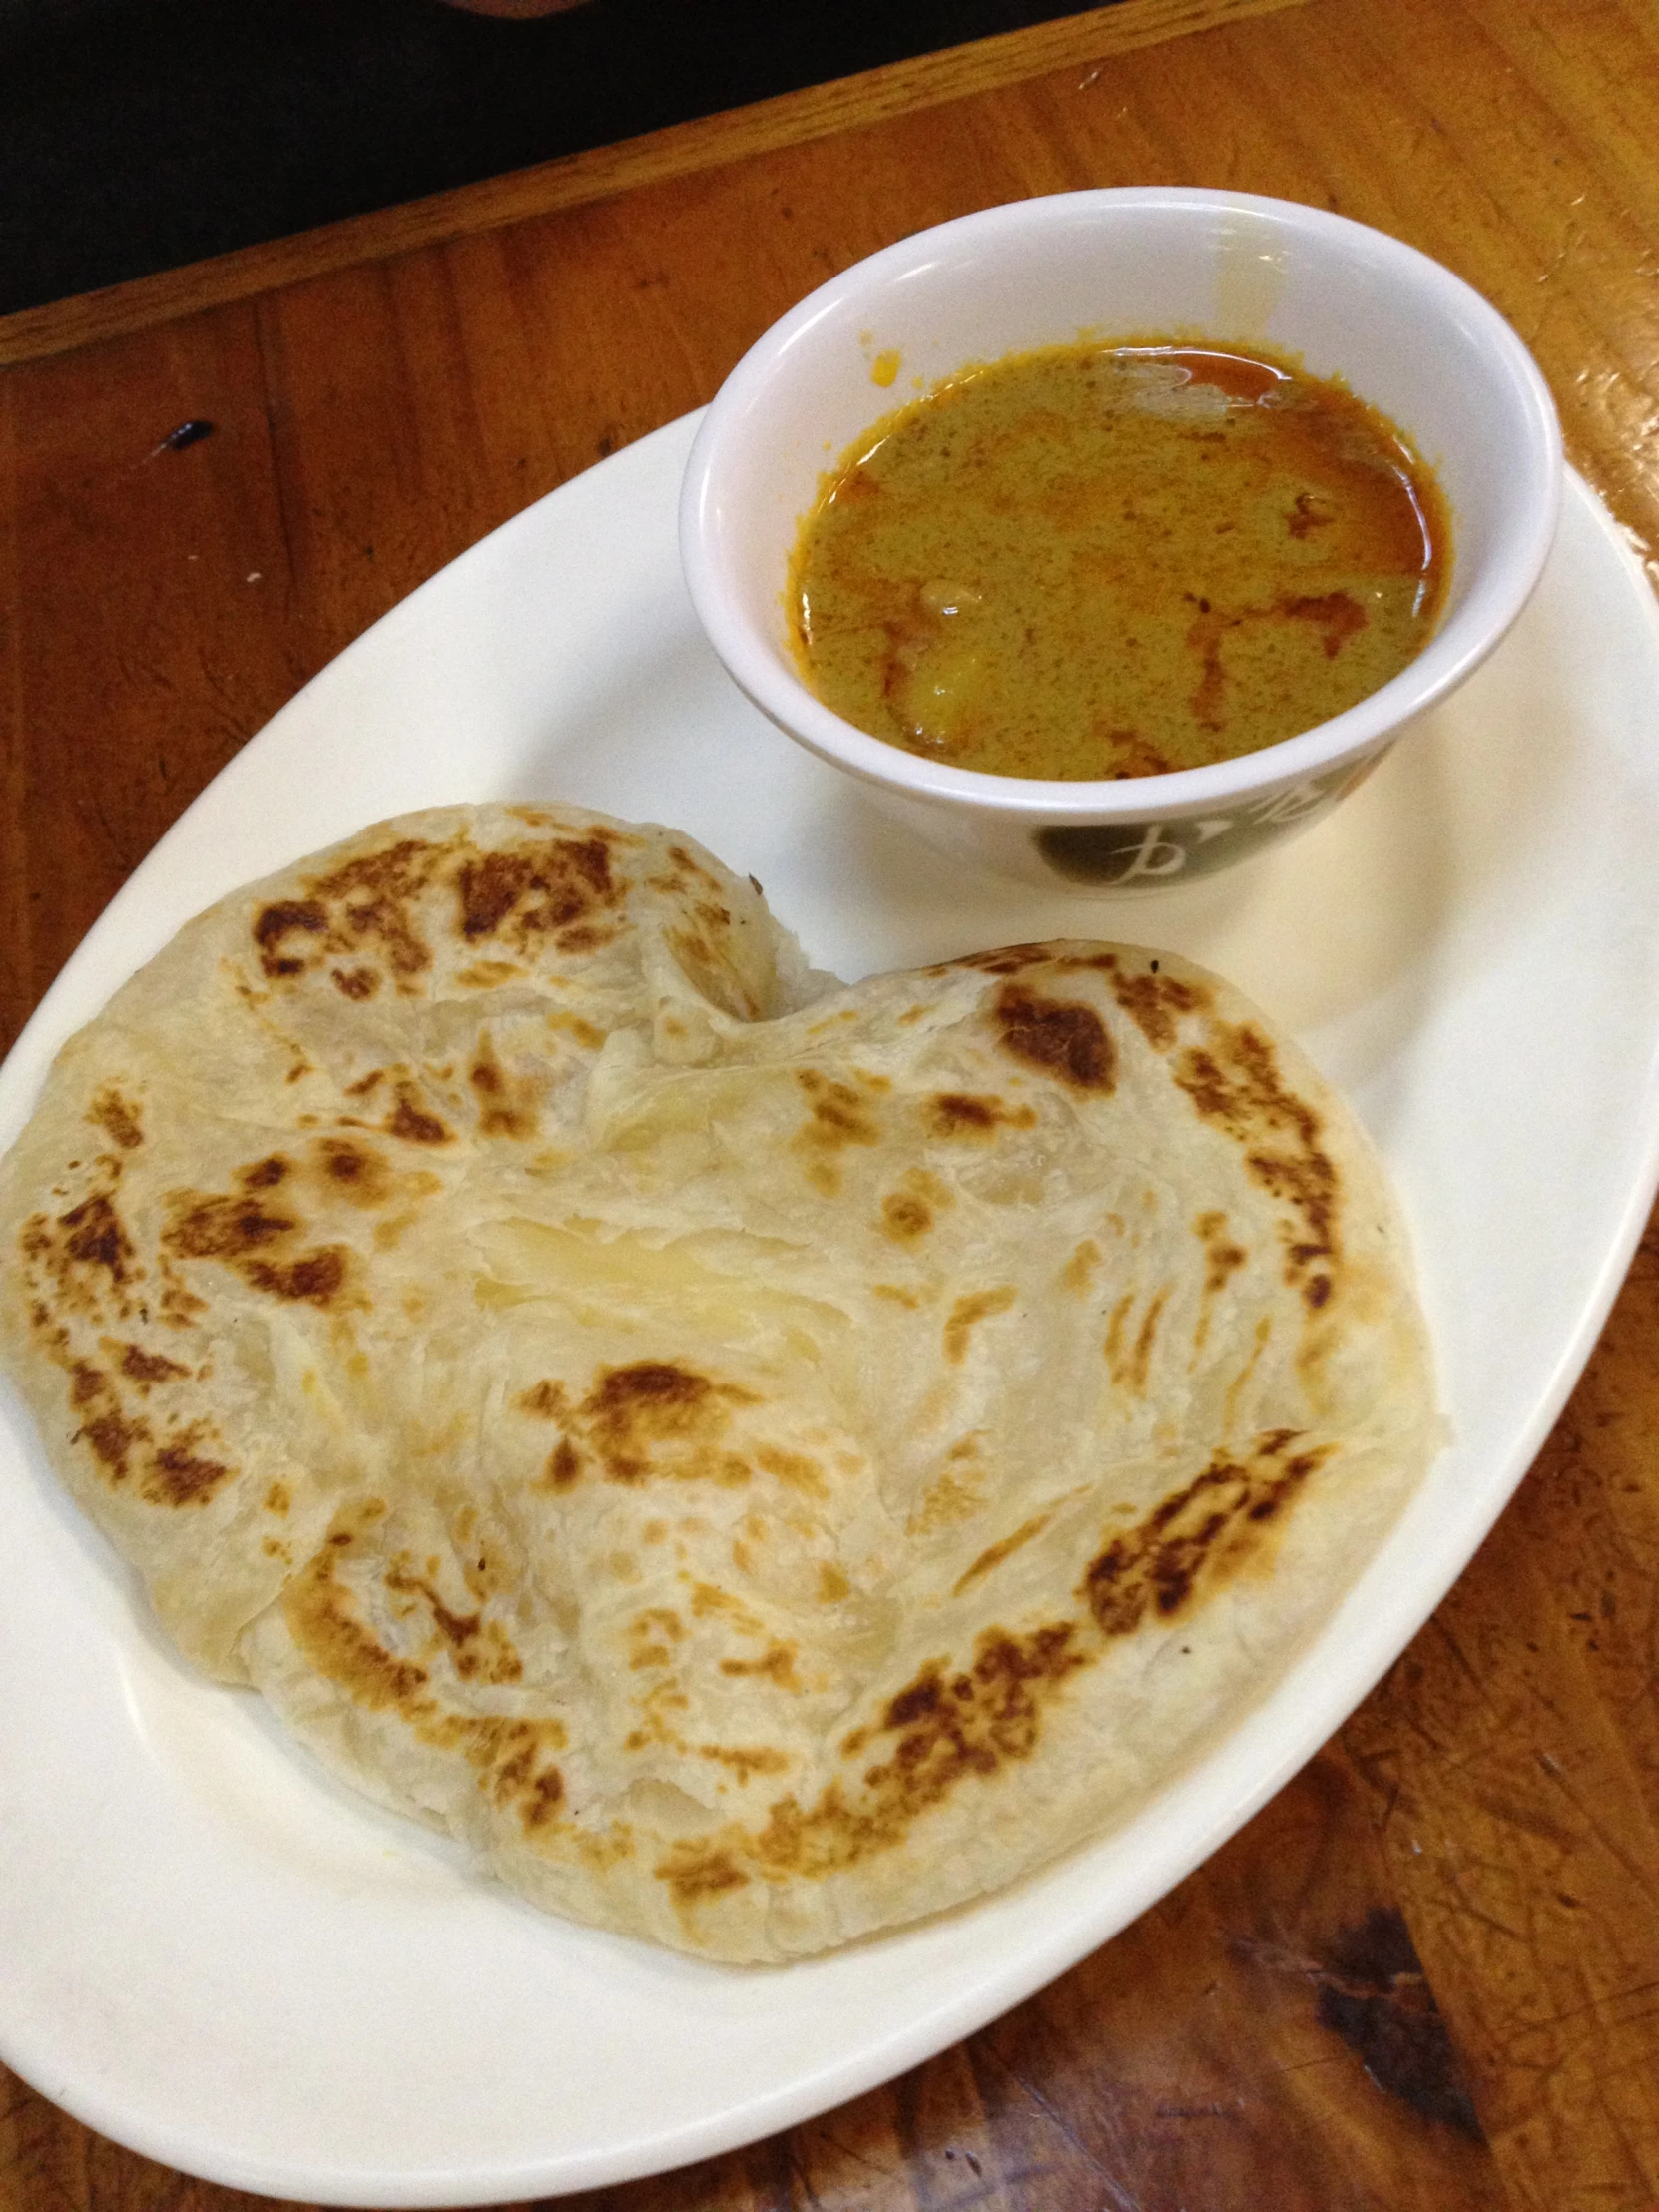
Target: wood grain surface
[(1427, 1974)]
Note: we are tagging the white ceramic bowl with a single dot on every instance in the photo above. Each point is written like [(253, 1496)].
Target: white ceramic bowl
[(1401, 332)]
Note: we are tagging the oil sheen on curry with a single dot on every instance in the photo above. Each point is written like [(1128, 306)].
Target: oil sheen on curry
[(1104, 561)]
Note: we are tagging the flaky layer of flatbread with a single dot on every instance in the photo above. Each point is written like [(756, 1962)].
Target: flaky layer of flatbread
[(759, 1461)]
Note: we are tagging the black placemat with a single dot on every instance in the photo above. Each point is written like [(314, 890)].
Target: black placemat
[(138, 135)]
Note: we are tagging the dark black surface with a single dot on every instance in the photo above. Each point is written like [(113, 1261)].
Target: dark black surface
[(138, 135)]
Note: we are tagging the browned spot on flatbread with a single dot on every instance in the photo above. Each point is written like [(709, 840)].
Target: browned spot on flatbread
[(1130, 1358), (509, 1756), (1155, 1003), (265, 1174), (479, 1649), (536, 889), (839, 1115), (776, 1665), (112, 1438), (909, 1210), (973, 1115), (181, 1473), (1060, 1036), (945, 1727), (745, 1761), (994, 1554), (798, 1470), (373, 899), (412, 1121), (276, 925), (356, 983), (1007, 959), (905, 1215), (1078, 1272), (314, 1279), (507, 1104), (117, 1117), (95, 1239), (653, 1418), (694, 1872), (564, 1466), (1212, 1526), (1235, 1083), (355, 1171), (148, 1367), (1222, 1257), (969, 1311), (177, 1471), (219, 1228)]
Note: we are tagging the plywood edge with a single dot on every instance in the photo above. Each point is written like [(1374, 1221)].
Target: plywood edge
[(679, 150)]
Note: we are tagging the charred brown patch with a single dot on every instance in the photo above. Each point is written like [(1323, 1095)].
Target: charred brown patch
[(946, 1727), (112, 1438), (180, 1474), (97, 1238), (355, 1172), (1234, 1082), (1157, 1004), (653, 1418), (147, 1368), (313, 1279), (413, 1122), (224, 1228), (1198, 1535), (117, 1119), (372, 898), (544, 1400), (973, 1115), (564, 1466), (540, 889), (265, 1174), (274, 925), (356, 983), (1061, 1037)]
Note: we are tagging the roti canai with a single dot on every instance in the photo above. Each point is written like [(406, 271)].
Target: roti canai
[(759, 1461)]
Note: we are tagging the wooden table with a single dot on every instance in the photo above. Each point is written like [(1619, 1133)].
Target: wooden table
[(1427, 1974)]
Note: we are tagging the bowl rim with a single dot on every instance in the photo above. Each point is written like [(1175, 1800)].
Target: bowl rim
[(1468, 635)]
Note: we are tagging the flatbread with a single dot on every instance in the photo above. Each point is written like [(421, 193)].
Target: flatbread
[(757, 1460)]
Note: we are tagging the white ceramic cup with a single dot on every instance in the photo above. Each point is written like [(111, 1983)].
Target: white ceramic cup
[(1215, 268)]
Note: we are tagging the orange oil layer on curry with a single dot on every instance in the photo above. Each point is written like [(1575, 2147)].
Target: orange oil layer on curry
[(1106, 561)]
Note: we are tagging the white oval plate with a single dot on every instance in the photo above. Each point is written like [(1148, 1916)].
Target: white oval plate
[(217, 1957)]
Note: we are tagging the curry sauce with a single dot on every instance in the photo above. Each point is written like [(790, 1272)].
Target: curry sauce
[(1113, 561)]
